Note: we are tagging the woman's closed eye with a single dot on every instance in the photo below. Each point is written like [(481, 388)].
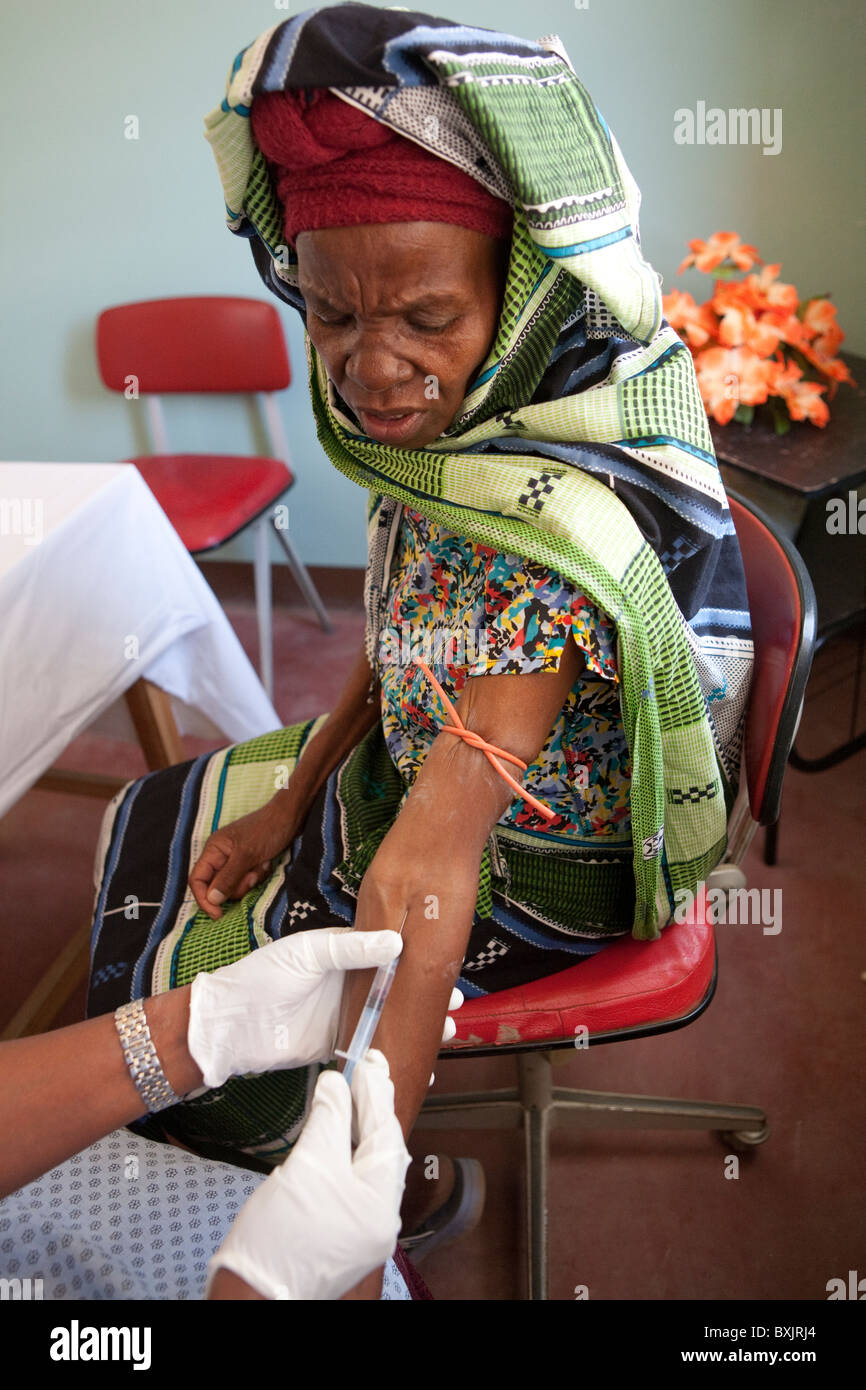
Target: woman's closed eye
[(418, 325), (423, 326), (331, 320)]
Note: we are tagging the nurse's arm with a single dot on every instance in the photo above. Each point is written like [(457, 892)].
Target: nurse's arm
[(61, 1091)]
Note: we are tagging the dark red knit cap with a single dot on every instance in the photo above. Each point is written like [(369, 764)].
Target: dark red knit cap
[(336, 166)]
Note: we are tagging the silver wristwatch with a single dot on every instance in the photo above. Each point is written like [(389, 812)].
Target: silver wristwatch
[(140, 1056)]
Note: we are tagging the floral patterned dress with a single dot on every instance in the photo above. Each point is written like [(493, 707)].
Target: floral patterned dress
[(467, 610)]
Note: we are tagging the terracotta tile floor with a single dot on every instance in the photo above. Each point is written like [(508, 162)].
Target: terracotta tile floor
[(633, 1216)]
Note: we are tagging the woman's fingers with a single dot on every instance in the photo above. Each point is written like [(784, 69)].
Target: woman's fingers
[(218, 875), (211, 859), (249, 881), (252, 878)]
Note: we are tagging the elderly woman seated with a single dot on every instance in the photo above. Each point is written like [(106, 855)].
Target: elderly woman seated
[(548, 533)]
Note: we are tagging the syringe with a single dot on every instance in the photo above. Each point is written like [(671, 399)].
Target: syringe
[(371, 1012)]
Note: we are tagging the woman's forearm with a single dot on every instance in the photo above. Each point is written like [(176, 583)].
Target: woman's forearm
[(426, 867), (352, 717), (61, 1091)]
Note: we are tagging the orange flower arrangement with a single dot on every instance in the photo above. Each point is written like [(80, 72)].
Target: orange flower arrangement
[(754, 341)]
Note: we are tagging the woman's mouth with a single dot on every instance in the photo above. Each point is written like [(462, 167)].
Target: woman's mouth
[(388, 427)]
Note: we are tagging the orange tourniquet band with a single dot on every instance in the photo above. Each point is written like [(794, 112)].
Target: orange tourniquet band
[(491, 752)]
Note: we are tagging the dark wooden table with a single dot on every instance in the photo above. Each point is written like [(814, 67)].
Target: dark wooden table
[(794, 477)]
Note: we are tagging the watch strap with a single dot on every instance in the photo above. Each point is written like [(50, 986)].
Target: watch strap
[(141, 1058)]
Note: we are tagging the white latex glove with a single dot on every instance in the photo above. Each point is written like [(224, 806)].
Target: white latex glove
[(327, 1216), (280, 1005)]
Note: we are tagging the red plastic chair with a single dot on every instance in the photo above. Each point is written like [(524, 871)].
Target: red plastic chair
[(635, 988), (211, 344)]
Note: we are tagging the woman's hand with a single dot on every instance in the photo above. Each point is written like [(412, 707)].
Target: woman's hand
[(239, 855)]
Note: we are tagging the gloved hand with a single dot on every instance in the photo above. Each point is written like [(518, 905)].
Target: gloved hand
[(280, 1005), (327, 1216)]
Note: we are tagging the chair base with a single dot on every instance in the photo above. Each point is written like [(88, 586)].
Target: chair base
[(538, 1106)]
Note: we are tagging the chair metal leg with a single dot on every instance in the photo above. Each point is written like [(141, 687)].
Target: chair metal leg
[(472, 1110), (536, 1132), (574, 1109), (540, 1106), (305, 583), (262, 570), (741, 828), (536, 1094), (609, 1110)]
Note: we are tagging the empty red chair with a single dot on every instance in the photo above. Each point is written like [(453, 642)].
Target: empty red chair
[(211, 343)]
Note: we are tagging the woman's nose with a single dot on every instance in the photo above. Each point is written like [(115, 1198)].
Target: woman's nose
[(374, 366)]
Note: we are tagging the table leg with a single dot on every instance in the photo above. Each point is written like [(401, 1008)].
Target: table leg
[(44, 1003), (150, 708), (153, 719), (64, 779)]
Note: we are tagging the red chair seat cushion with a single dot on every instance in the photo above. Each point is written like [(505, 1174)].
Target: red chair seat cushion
[(629, 984), (208, 498)]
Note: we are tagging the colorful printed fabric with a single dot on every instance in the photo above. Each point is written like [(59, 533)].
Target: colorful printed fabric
[(466, 610), (128, 1219), (536, 914), (590, 449)]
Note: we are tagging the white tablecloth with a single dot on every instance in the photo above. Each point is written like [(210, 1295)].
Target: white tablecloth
[(96, 590)]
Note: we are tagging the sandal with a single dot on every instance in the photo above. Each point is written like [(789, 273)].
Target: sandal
[(460, 1213)]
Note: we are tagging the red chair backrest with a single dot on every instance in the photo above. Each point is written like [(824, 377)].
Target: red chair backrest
[(197, 343), (782, 605)]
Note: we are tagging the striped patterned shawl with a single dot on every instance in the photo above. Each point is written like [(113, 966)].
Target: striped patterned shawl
[(583, 443)]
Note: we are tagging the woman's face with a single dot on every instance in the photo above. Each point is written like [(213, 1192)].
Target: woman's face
[(402, 315)]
